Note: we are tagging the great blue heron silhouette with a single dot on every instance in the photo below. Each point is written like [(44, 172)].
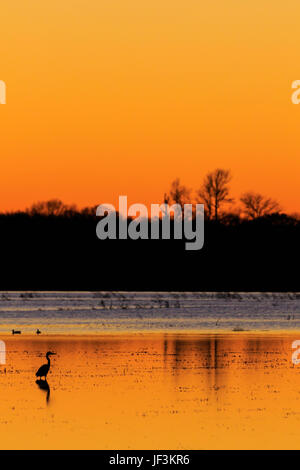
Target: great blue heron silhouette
[(44, 369)]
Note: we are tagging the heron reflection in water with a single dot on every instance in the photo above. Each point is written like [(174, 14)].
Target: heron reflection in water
[(43, 385)]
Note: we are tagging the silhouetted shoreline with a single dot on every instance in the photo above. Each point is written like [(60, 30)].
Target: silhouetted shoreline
[(62, 252)]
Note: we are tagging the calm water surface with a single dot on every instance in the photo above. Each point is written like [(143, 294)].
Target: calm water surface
[(158, 390)]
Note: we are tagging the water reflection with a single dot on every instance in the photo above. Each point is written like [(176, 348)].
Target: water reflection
[(43, 385), (153, 391)]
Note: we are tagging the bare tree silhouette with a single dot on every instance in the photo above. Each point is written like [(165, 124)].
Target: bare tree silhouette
[(214, 192), (51, 207), (178, 194), (256, 205)]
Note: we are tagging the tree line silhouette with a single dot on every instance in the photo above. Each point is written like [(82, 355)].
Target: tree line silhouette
[(214, 193), (252, 246)]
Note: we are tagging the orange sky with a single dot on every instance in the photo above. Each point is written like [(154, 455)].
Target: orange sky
[(121, 96)]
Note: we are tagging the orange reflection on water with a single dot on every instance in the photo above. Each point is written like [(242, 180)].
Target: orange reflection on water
[(151, 391)]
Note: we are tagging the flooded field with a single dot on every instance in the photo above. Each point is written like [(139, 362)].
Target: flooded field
[(114, 312), (194, 390)]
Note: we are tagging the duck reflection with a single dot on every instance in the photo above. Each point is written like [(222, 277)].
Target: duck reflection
[(43, 385)]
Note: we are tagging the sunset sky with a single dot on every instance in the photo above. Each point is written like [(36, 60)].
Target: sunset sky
[(109, 97)]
